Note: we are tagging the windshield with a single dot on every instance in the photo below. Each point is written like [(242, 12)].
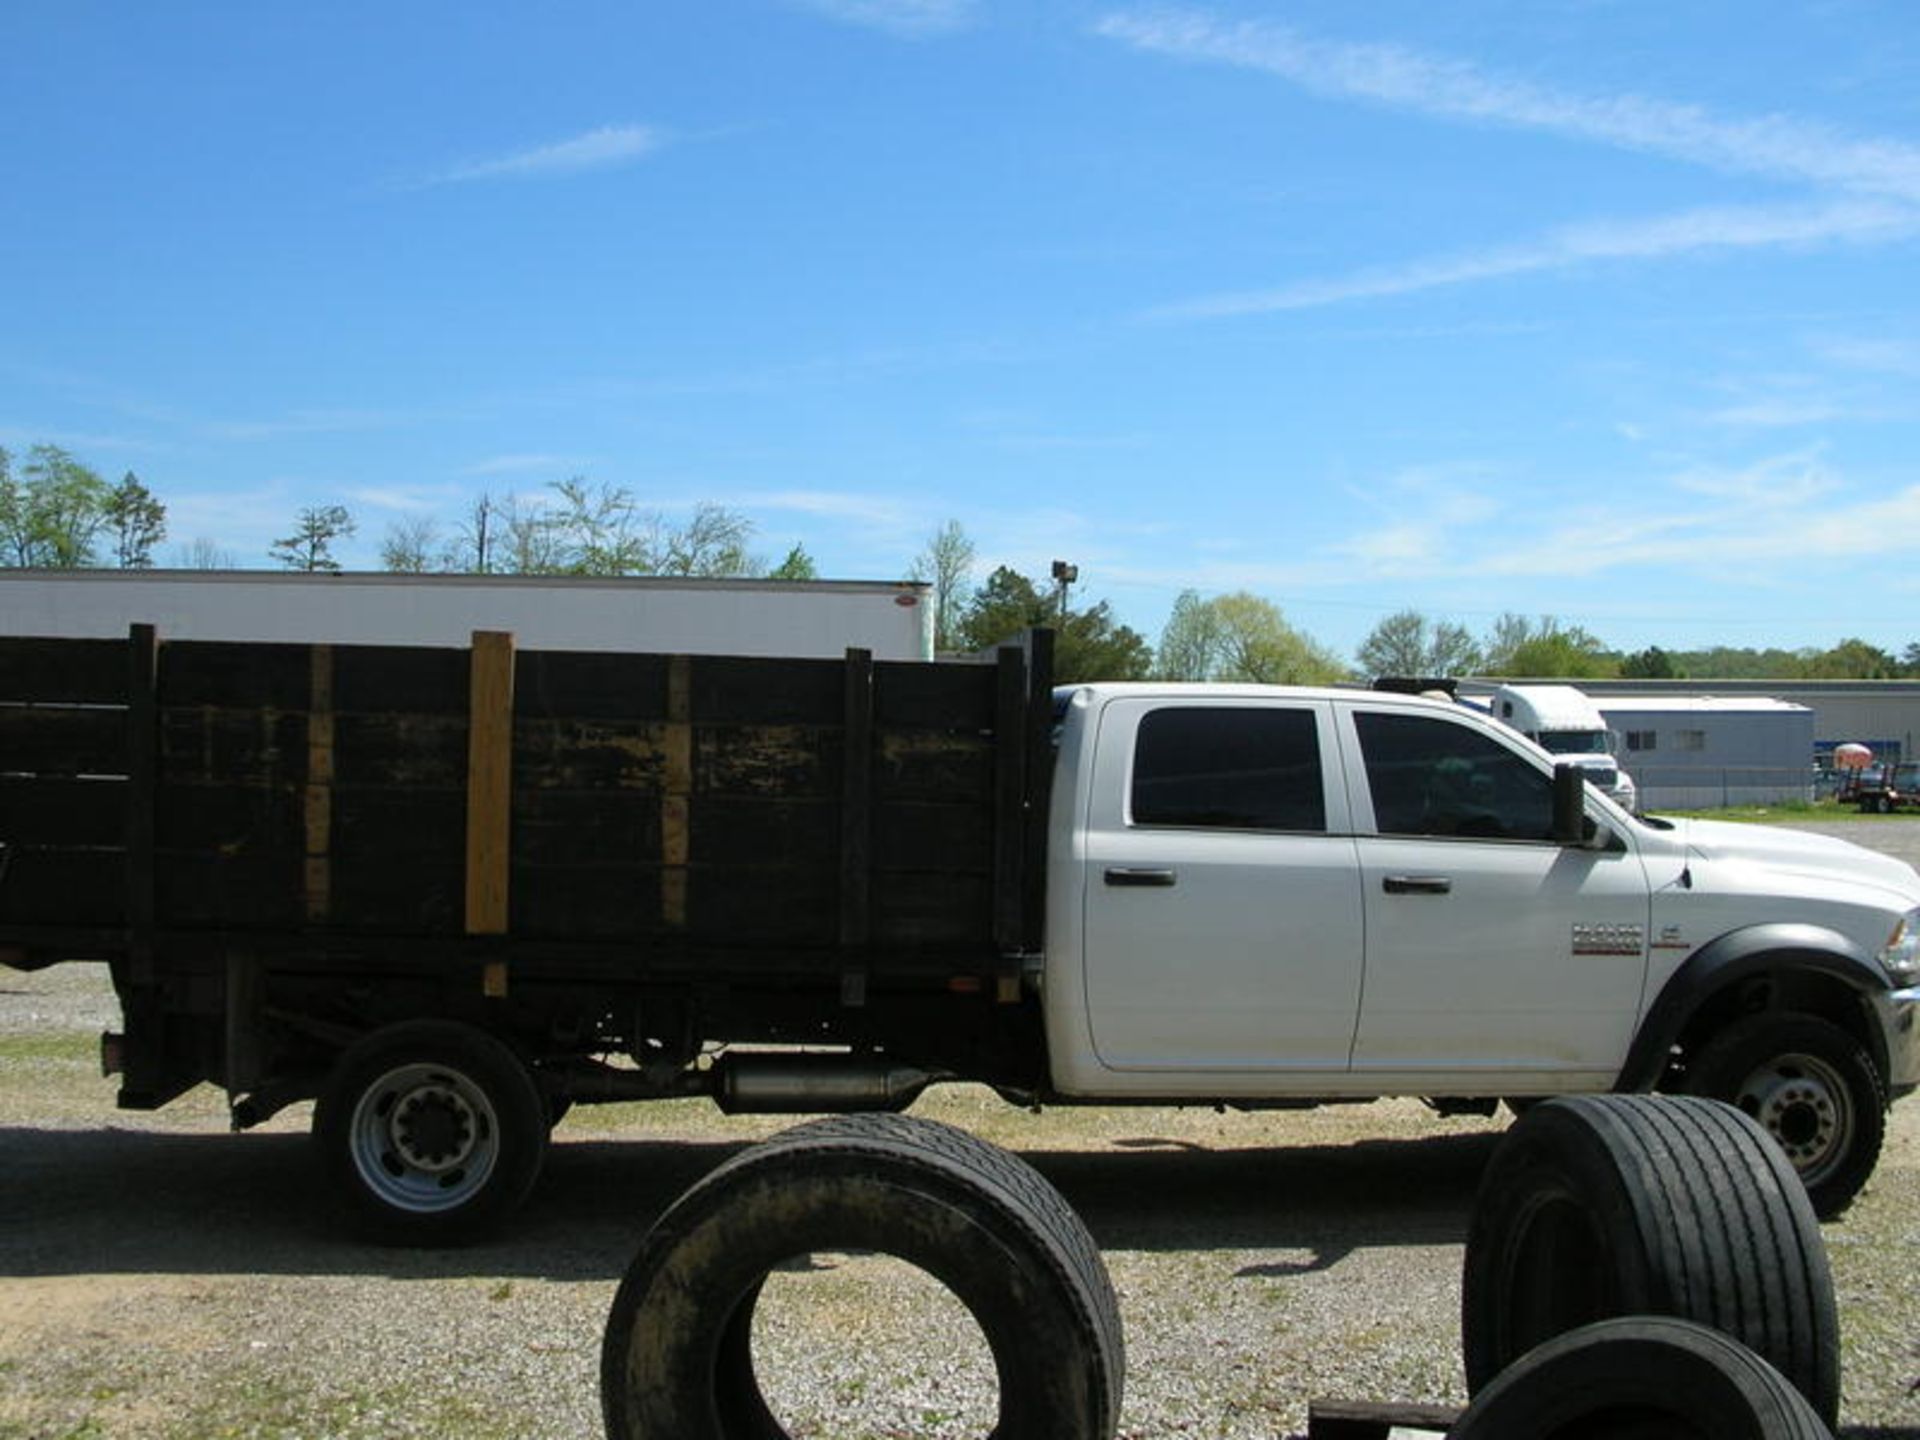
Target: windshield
[(1576, 742)]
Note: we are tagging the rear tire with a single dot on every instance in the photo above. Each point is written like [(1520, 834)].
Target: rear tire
[(677, 1356), (432, 1132), (1640, 1378), (1601, 1206), (1812, 1088)]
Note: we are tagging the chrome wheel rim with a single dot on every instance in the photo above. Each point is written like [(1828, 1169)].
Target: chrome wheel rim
[(1803, 1103), (424, 1138)]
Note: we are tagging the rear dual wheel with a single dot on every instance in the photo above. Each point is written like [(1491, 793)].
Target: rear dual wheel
[(432, 1133)]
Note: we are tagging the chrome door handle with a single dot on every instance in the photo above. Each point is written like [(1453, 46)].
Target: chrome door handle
[(1417, 884), (1128, 875)]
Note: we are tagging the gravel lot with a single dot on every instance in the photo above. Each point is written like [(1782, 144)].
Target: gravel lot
[(160, 1278)]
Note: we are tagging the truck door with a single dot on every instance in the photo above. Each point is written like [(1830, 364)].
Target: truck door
[(1489, 946), (1223, 913)]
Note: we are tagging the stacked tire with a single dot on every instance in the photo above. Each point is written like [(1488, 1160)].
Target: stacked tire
[(676, 1360), (1644, 1264)]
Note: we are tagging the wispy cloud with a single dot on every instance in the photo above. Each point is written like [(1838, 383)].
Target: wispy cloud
[(528, 465), (915, 19), (1788, 506), (320, 422), (601, 149), (410, 500), (1873, 184), (1658, 237), (1782, 146), (1890, 357)]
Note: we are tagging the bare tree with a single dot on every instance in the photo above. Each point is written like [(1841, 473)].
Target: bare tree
[(473, 550), (409, 546), (946, 564), (204, 553), (713, 543)]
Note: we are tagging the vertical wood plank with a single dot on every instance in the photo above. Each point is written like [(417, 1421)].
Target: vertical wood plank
[(489, 785), (1038, 785), (676, 799), (856, 802), (1009, 800), (317, 796), (143, 765)]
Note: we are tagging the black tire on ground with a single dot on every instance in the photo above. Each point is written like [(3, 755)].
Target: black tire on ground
[(1640, 1378), (677, 1355), (432, 1132), (1812, 1088), (1600, 1206)]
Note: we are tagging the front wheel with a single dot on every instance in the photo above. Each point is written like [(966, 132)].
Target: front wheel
[(1812, 1088), (432, 1132)]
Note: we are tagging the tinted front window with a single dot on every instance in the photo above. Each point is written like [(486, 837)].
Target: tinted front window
[(1232, 768), (1433, 777)]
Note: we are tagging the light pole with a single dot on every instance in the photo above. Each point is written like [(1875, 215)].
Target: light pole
[(1066, 574)]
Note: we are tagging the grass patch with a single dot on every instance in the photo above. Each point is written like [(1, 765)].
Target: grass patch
[(57, 1047), (1784, 812)]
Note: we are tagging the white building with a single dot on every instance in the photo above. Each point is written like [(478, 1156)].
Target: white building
[(1695, 752)]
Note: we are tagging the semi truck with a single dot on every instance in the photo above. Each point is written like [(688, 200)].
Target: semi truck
[(446, 893), (1569, 726)]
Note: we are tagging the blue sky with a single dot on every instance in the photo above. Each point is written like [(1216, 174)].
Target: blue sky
[(1595, 308)]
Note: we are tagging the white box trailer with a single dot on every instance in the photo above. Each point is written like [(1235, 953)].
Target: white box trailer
[(811, 618)]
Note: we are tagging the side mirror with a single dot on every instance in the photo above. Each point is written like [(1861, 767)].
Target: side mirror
[(1570, 823)]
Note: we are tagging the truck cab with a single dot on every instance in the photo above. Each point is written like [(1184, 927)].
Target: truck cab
[(1259, 895)]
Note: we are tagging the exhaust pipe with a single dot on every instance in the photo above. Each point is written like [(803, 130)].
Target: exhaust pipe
[(806, 1084)]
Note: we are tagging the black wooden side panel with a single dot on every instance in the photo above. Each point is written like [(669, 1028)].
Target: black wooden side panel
[(409, 680), (933, 697), (397, 859), (576, 685), (74, 672), (949, 839), (400, 750), (760, 834), (586, 902), (229, 891), (205, 745), (779, 762), (568, 754), (198, 672), (49, 812), (766, 692), (61, 740), (230, 820), (765, 905), (933, 909), (64, 887), (934, 765), (563, 827)]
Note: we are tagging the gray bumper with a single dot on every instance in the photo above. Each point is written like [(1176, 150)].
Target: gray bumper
[(1903, 1040)]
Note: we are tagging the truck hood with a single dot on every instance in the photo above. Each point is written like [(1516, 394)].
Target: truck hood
[(1819, 859)]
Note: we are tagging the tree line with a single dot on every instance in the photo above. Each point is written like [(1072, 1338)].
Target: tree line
[(57, 513)]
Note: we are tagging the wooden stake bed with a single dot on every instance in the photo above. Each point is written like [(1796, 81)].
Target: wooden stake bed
[(311, 829)]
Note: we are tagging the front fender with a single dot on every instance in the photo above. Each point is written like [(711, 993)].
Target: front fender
[(1738, 956)]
